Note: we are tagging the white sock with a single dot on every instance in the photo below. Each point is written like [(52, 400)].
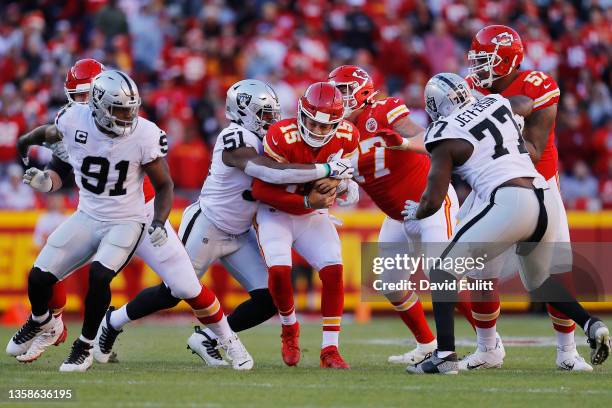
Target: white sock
[(289, 319), (40, 319), (86, 340), (565, 339), (209, 333), (221, 328), (443, 354), (330, 338), (431, 345), (485, 338), (119, 318)]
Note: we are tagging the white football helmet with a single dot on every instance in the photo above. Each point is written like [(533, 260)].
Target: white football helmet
[(253, 104), (444, 93), (114, 101)]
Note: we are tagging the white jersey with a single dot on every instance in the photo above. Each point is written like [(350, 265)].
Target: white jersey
[(499, 152), (226, 198), (108, 170)]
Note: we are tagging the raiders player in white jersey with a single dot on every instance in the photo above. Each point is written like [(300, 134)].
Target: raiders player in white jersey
[(219, 225), (481, 141), (109, 148)]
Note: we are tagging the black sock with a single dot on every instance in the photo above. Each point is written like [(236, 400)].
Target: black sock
[(252, 312), (40, 290), (555, 294), (151, 300), (97, 299), (443, 307)]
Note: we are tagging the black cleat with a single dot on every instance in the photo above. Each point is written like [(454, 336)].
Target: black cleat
[(598, 337), (436, 365)]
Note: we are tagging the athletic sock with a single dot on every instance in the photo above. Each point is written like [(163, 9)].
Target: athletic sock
[(86, 340), (208, 311), (486, 338), (410, 310), (288, 317), (119, 318), (443, 305), (42, 318), (58, 298), (281, 290), (330, 338), (332, 303)]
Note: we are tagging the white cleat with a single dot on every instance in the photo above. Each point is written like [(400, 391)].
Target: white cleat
[(80, 358), (484, 358), (598, 336), (49, 335), (420, 353), (204, 343), (105, 339), (236, 352), (568, 359)]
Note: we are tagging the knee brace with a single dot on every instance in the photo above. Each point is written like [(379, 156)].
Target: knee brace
[(37, 277), (100, 274)]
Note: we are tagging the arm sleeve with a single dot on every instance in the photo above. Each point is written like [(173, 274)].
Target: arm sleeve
[(286, 176), (279, 198), (62, 168)]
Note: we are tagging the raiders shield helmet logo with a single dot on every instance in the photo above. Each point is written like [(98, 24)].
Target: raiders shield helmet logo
[(371, 125), (431, 104), (243, 100), (97, 93)]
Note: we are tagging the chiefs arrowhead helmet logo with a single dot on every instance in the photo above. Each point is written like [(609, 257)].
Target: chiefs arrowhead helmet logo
[(505, 39)]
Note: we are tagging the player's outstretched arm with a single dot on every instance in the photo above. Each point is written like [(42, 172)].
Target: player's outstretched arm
[(159, 174), (405, 135), (444, 156), (279, 198), (42, 134), (537, 129), (248, 160)]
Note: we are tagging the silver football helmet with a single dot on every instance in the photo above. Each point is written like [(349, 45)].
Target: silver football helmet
[(253, 104), (114, 101), (444, 93)]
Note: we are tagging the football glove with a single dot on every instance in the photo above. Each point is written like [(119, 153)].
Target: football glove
[(158, 233), (37, 179), (340, 168), (58, 149), (350, 195), (410, 209)]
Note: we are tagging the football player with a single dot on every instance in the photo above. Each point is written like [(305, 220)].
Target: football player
[(110, 149), (495, 57), (287, 217), (218, 225), (390, 177), (480, 140)]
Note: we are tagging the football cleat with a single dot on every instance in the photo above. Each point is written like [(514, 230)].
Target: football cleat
[(51, 334), (436, 365), (206, 347), (420, 353), (79, 359), (331, 358), (290, 344), (484, 358), (236, 353), (599, 340), (105, 339), (568, 359), (23, 339)]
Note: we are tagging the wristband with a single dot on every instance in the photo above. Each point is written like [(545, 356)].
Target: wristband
[(323, 170)]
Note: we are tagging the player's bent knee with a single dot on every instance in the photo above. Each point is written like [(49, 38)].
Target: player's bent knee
[(165, 298), (100, 275), (332, 273), (263, 299), (185, 291), (38, 277)]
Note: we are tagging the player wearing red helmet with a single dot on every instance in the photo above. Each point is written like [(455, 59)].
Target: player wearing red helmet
[(78, 79), (390, 177), (495, 56), (291, 216)]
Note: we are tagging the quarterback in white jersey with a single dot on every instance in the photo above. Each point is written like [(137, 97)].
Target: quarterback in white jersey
[(218, 225), (481, 141)]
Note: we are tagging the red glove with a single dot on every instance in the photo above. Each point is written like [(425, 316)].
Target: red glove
[(391, 138)]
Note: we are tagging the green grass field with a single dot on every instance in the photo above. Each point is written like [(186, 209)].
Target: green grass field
[(155, 370)]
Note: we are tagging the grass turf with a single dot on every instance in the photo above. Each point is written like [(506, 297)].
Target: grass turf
[(155, 370)]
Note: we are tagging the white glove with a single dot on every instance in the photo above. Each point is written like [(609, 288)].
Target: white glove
[(58, 149), (158, 233), (37, 179), (350, 196), (520, 121), (340, 168), (410, 209)]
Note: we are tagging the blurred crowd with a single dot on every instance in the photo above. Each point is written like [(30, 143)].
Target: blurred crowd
[(184, 54)]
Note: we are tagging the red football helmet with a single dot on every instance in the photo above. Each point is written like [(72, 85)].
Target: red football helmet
[(320, 111), (79, 77), (495, 52), (354, 83)]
